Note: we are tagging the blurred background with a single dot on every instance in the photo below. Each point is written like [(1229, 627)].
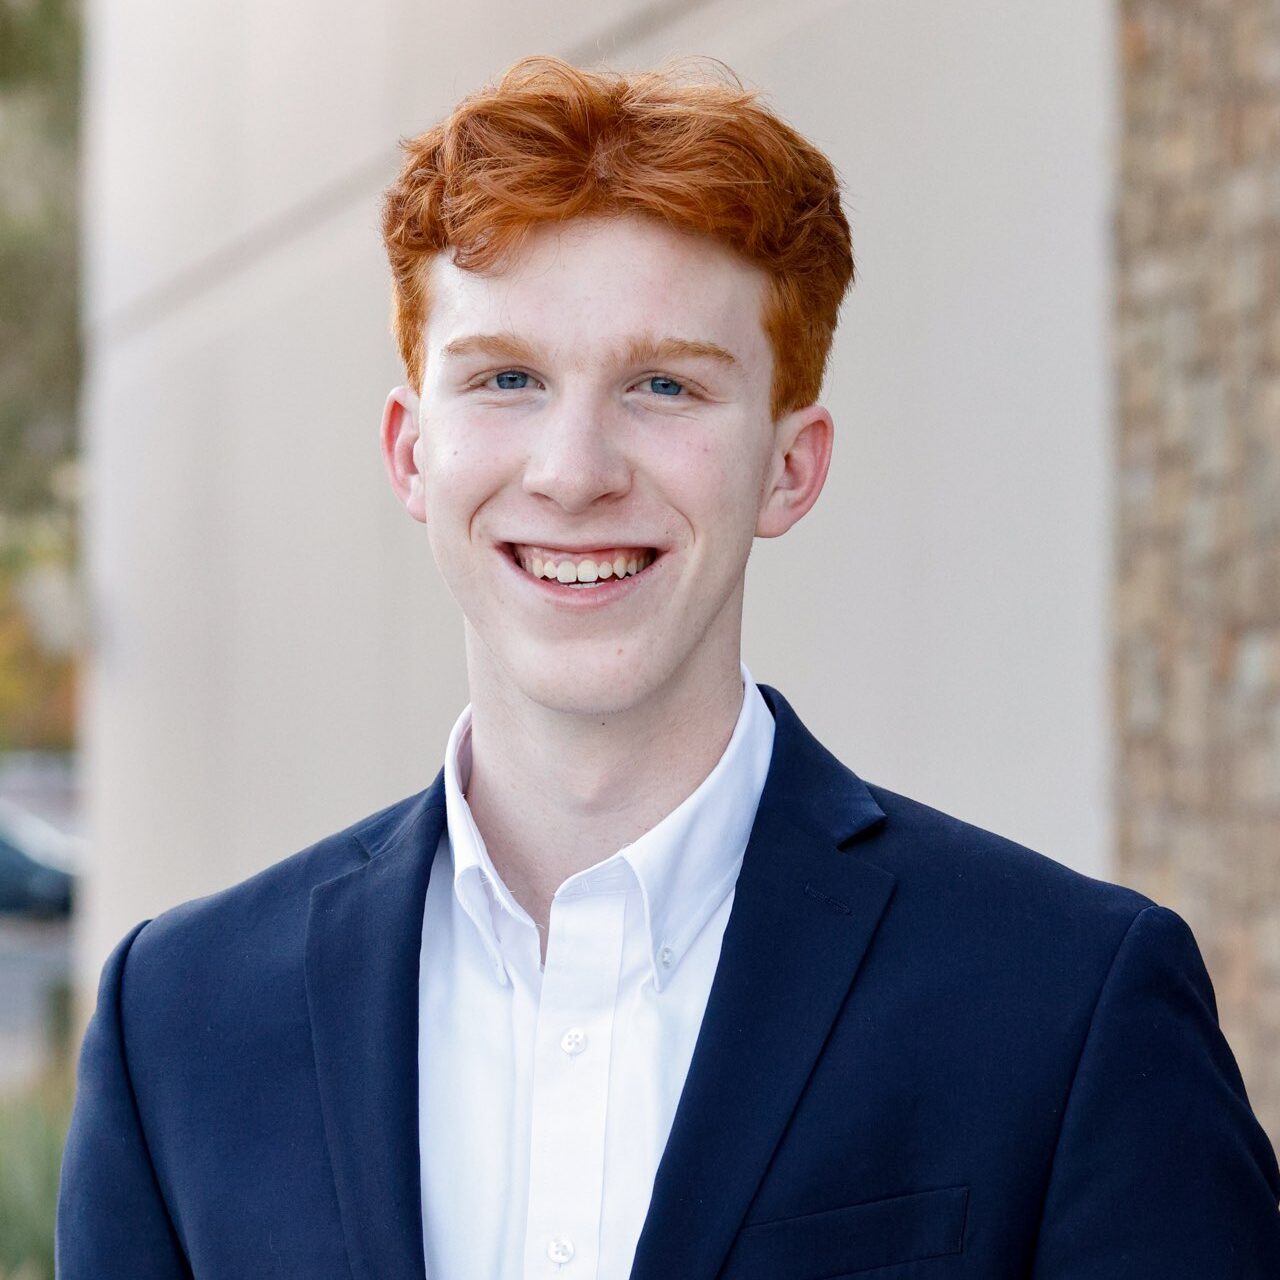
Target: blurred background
[(1041, 590)]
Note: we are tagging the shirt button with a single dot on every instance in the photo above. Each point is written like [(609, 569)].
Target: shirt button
[(573, 1041), (560, 1249), (665, 956)]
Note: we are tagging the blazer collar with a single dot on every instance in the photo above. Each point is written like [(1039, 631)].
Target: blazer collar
[(804, 913), (364, 936), (805, 909)]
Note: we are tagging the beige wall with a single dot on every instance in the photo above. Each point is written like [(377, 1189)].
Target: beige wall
[(274, 656)]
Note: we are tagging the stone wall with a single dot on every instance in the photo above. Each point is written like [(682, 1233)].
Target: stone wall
[(1197, 604)]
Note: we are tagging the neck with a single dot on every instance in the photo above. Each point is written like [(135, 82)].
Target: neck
[(553, 792)]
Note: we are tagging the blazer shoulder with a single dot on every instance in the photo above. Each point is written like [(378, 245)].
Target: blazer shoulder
[(265, 911), (981, 874)]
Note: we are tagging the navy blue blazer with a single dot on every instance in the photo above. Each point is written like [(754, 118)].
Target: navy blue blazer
[(928, 1053)]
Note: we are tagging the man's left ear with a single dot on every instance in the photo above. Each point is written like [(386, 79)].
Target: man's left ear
[(401, 443), (797, 470)]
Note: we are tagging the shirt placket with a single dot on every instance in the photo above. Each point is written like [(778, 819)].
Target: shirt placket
[(570, 1096)]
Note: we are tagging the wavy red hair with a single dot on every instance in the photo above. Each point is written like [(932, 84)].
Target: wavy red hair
[(550, 141)]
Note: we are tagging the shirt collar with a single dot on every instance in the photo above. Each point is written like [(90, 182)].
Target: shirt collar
[(476, 884), (685, 865)]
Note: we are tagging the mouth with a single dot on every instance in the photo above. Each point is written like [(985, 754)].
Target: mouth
[(588, 571), (574, 579)]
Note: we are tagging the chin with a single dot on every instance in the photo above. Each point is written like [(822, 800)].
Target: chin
[(581, 686)]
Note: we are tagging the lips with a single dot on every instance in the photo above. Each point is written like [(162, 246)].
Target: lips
[(581, 566), (576, 565), (569, 583), (558, 552), (600, 549)]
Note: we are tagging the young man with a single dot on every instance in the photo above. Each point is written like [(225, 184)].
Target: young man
[(646, 982)]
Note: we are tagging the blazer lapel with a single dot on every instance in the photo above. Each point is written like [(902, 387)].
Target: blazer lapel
[(364, 934), (804, 913)]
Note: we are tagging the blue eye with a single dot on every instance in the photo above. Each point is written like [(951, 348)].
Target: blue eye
[(522, 380), (666, 386)]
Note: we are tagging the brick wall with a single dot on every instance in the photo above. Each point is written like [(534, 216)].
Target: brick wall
[(1197, 603)]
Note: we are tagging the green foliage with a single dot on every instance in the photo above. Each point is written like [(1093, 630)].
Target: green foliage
[(33, 1130), (39, 385), (40, 358), (39, 310), (40, 46), (39, 355)]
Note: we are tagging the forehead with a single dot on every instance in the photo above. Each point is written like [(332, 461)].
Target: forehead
[(592, 285)]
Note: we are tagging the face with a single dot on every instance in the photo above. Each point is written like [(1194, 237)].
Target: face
[(592, 453)]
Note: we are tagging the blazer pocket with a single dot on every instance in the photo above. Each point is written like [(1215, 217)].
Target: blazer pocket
[(859, 1237)]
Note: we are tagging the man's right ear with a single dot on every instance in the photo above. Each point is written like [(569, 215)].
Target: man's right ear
[(400, 450)]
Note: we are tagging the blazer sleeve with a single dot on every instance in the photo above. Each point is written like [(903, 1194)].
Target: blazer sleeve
[(111, 1220), (1161, 1168)]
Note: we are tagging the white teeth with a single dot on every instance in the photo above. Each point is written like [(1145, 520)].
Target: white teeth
[(583, 571), (586, 571)]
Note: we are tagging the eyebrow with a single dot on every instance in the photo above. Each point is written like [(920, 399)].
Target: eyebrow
[(507, 346)]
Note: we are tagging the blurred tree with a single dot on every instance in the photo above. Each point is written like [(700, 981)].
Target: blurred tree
[(40, 359)]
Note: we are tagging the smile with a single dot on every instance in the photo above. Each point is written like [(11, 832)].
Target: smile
[(589, 569), (600, 574)]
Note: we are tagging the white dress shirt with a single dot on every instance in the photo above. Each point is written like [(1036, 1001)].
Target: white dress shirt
[(546, 1096)]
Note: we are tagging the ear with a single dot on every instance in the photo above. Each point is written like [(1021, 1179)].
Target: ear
[(400, 450), (797, 470)]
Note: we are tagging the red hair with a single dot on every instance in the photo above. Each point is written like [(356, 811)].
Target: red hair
[(550, 141)]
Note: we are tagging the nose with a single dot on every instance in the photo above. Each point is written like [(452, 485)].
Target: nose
[(574, 458)]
